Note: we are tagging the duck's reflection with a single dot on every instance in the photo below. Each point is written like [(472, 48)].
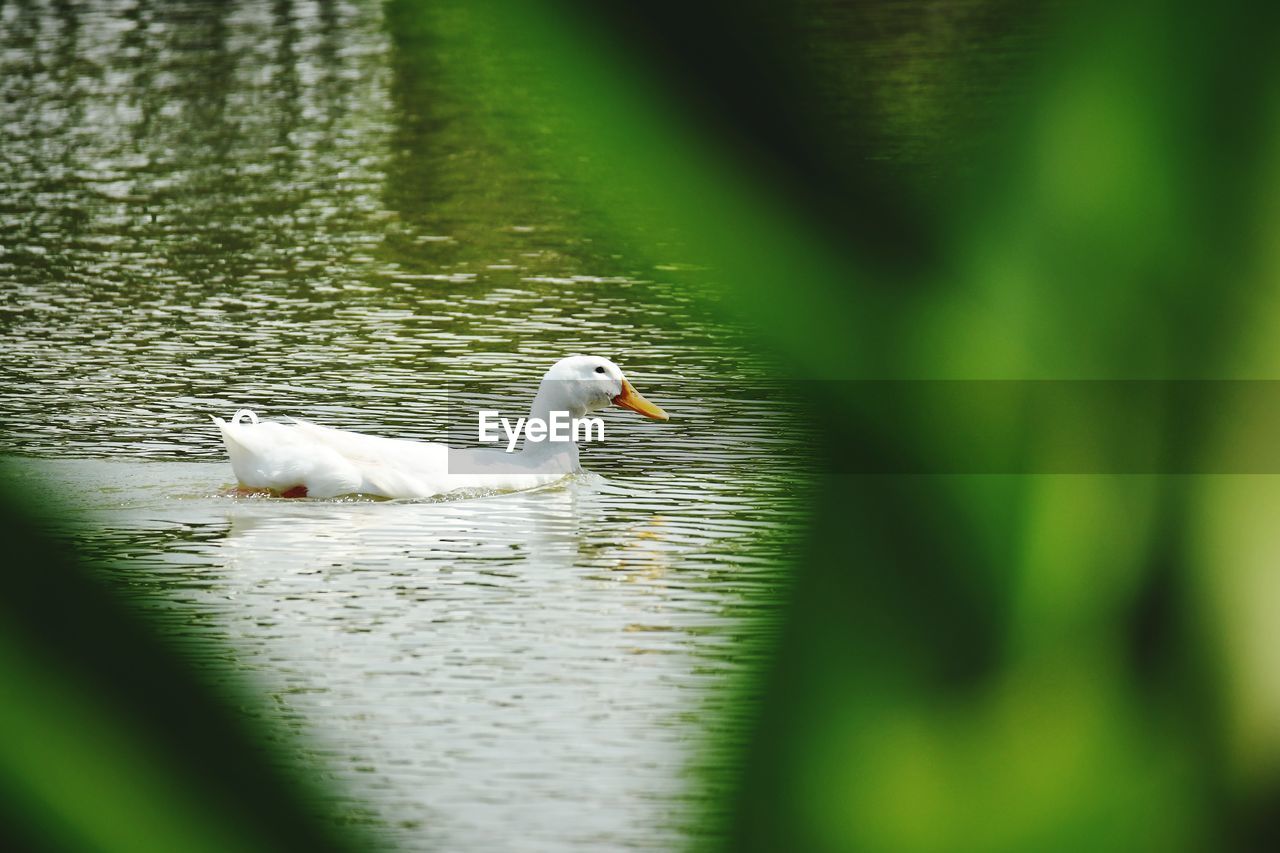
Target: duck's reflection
[(542, 527)]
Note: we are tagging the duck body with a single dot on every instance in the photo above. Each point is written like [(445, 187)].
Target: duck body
[(304, 459)]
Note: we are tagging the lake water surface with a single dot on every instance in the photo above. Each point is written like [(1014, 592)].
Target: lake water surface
[(208, 206)]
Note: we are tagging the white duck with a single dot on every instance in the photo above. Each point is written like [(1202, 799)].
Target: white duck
[(302, 459)]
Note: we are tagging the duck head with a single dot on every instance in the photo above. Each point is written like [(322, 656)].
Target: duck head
[(586, 383)]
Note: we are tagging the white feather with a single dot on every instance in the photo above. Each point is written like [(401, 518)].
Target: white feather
[(331, 462)]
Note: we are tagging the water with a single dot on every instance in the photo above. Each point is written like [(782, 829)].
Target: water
[(212, 206)]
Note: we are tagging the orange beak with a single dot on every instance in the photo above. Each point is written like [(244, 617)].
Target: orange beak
[(630, 399)]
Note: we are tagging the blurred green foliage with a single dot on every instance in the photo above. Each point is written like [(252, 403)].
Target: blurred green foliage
[(109, 741), (971, 662)]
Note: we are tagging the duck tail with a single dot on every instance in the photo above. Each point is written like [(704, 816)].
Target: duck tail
[(227, 427), (236, 449)]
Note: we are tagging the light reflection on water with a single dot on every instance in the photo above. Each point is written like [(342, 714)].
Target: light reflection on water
[(530, 669), (207, 206)]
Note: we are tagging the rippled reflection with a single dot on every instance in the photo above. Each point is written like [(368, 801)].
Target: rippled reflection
[(206, 206), (531, 665)]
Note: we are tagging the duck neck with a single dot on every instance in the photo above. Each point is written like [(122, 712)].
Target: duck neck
[(547, 402)]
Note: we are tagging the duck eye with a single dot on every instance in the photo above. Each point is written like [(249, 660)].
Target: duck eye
[(599, 370)]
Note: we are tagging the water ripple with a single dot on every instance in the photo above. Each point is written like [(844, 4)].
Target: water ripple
[(209, 206)]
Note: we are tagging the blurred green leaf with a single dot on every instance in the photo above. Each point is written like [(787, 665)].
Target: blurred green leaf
[(972, 662), (109, 741)]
